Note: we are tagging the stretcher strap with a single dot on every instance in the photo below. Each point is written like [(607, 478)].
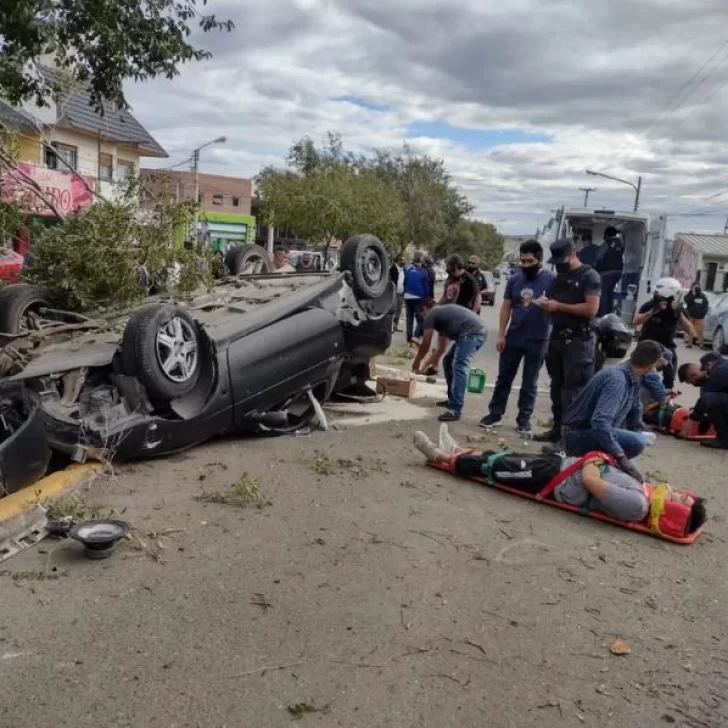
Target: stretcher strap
[(657, 508), (567, 472), (488, 465)]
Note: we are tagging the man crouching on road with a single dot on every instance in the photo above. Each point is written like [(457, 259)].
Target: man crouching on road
[(712, 406), (462, 328), (607, 414)]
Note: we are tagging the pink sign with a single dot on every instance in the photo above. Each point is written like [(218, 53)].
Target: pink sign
[(66, 191)]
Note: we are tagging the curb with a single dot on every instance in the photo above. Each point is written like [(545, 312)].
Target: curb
[(22, 518)]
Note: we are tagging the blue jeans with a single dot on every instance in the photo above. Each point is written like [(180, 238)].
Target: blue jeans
[(580, 442), (456, 365), (532, 353), (414, 317)]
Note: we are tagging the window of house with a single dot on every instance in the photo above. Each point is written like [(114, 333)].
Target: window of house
[(236, 201), (106, 167), (201, 197), (124, 169), (56, 154), (217, 199)]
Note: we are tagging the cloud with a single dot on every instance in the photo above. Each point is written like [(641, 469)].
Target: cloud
[(518, 98)]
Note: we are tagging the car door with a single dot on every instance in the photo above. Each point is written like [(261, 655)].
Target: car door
[(718, 307)]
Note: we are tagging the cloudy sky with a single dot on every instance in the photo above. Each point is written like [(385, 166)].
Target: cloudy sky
[(518, 97)]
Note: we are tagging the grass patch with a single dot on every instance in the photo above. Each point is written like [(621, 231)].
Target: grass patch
[(243, 493), (71, 506), (401, 353), (324, 465), (300, 709)]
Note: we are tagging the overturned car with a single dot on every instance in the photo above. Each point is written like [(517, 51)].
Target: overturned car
[(257, 354)]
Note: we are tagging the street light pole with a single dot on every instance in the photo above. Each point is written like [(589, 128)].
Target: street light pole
[(586, 191), (636, 187), (196, 171)]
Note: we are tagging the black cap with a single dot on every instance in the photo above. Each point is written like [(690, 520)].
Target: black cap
[(559, 250)]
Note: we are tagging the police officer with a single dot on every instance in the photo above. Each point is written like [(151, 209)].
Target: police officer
[(573, 302)]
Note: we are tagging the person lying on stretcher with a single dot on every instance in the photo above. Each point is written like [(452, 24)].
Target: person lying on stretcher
[(598, 485)]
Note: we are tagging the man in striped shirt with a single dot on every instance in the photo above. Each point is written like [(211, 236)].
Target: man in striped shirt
[(607, 414)]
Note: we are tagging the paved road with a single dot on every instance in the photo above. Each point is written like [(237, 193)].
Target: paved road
[(386, 593)]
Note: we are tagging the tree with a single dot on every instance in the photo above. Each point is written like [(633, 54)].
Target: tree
[(92, 260), (433, 205), (101, 43), (474, 237), (330, 203)]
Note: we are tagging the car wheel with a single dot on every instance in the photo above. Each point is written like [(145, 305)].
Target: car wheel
[(248, 259), (17, 301), (162, 349), (366, 259), (718, 339)]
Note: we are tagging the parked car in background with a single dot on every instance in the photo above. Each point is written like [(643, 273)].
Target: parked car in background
[(489, 294), (11, 265), (716, 322)]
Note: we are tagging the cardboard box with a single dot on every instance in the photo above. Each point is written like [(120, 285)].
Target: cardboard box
[(396, 387)]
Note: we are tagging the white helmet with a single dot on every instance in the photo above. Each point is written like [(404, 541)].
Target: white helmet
[(669, 288)]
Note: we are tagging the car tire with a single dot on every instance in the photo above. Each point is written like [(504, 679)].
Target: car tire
[(162, 348), (365, 258), (16, 300), (718, 340), (240, 257)]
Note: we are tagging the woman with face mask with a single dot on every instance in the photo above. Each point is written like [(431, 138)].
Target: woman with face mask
[(522, 335)]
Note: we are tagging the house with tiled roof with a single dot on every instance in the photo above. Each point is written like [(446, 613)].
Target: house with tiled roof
[(72, 151)]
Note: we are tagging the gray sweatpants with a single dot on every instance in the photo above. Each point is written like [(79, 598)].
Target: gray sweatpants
[(625, 500)]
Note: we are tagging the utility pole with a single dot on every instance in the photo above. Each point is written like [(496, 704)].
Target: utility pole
[(636, 187), (586, 191), (196, 171), (725, 227)]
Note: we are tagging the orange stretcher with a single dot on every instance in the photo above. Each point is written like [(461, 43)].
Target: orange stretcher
[(669, 419), (666, 520)]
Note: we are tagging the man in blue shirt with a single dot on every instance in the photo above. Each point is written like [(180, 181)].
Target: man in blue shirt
[(416, 292), (607, 414), (522, 335)]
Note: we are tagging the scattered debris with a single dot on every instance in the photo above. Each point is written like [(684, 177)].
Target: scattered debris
[(298, 710), (263, 670), (620, 648), (72, 507), (20, 576), (259, 600), (324, 465), (244, 493), (99, 537)]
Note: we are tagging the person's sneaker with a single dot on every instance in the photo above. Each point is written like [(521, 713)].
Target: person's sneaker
[(447, 443), (442, 403), (431, 372), (524, 430), (551, 435), (490, 421), (449, 417), (425, 445)]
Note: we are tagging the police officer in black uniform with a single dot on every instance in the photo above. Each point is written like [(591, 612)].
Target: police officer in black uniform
[(573, 302)]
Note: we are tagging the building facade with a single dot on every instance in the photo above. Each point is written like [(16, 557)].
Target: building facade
[(225, 202), (702, 257), (70, 155)]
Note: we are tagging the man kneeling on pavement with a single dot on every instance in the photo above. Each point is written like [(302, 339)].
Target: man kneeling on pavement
[(461, 328), (711, 375), (607, 414)]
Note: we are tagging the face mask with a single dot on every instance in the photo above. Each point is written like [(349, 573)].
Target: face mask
[(563, 267), (530, 271)]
